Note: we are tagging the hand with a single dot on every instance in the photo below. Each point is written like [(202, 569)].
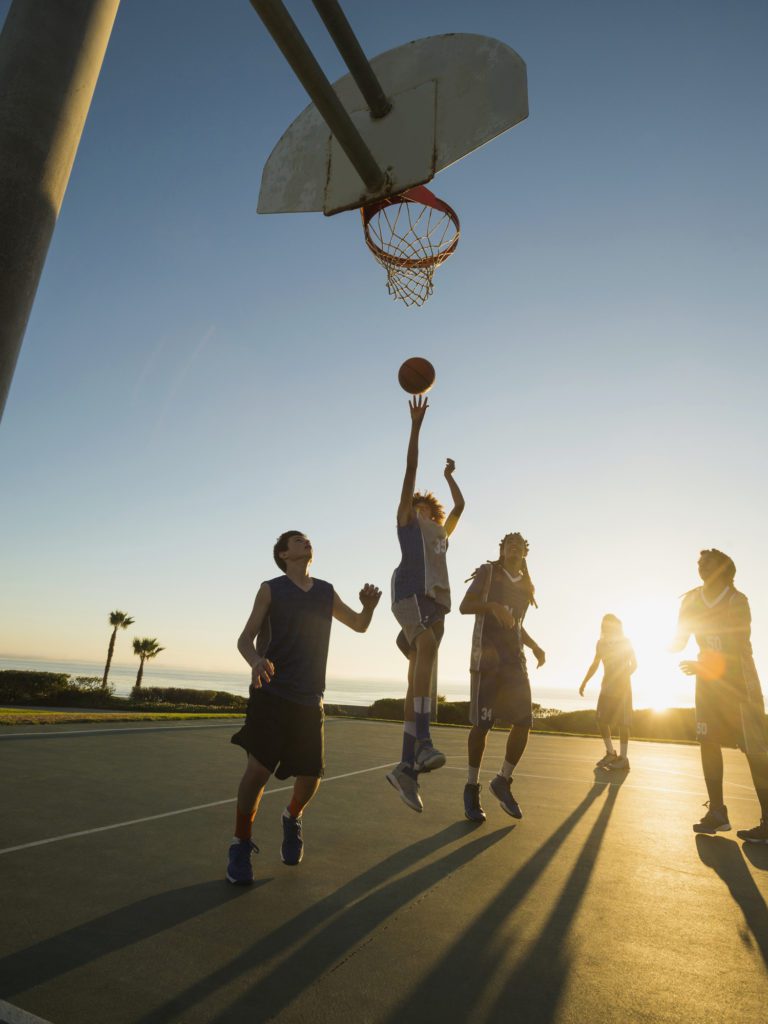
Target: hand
[(503, 615), (450, 468), (262, 671), (581, 689), (690, 668), (540, 656), (418, 406), (369, 596)]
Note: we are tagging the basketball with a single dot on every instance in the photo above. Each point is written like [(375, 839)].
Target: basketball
[(416, 375)]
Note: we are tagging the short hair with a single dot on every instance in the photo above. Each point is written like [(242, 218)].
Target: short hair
[(437, 512), (281, 544), (725, 564)]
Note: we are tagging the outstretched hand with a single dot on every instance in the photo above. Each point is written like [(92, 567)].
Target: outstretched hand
[(690, 668), (370, 596), (540, 656), (418, 406), (450, 468)]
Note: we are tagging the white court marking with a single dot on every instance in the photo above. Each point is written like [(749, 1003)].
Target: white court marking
[(10, 1014), (170, 814)]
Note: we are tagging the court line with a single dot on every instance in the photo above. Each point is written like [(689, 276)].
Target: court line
[(170, 814), (231, 723), (10, 1014)]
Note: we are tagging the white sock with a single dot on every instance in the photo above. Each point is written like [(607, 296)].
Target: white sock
[(473, 775), (422, 705), (506, 770), (624, 747), (609, 748)]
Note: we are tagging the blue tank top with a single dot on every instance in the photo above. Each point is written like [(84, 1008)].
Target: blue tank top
[(295, 638), (422, 569)]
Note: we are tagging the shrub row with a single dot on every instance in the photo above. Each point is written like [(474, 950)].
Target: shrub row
[(186, 695)]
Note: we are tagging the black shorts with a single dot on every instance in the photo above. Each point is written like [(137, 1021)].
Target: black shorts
[(286, 737), (724, 716), (500, 690), (614, 706)]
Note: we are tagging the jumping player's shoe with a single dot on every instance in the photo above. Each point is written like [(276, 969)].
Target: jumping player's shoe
[(500, 787), (618, 764), (292, 848), (426, 758), (472, 809), (239, 870), (758, 834), (605, 760), (713, 821), (403, 778)]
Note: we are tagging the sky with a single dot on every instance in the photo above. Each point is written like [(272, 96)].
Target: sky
[(196, 378)]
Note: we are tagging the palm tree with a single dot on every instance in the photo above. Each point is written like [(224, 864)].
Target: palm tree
[(145, 648), (120, 621)]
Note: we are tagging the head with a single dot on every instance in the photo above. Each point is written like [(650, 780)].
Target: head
[(611, 627), (716, 567), (513, 554), (292, 546), (426, 505)]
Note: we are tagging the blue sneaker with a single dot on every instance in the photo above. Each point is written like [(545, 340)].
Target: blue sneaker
[(472, 809), (239, 870), (500, 787), (292, 849)]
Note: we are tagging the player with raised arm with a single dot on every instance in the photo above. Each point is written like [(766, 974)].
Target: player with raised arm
[(614, 705), (499, 596), (421, 598), (283, 731), (729, 702)]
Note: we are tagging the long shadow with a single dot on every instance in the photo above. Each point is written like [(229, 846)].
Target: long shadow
[(757, 855), (453, 989), (725, 858), (355, 911), (85, 943)]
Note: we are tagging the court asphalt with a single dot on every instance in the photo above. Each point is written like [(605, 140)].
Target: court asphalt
[(599, 905)]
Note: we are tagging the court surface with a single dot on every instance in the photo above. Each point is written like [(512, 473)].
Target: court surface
[(600, 905)]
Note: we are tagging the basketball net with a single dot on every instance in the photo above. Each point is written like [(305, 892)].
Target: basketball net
[(410, 235)]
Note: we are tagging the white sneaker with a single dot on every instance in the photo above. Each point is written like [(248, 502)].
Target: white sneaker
[(403, 778)]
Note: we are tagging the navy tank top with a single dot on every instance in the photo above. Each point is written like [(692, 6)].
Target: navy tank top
[(295, 638)]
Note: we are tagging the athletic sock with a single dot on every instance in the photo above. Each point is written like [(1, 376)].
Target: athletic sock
[(243, 825), (295, 807), (473, 775), (506, 770), (624, 747), (422, 708), (409, 743)]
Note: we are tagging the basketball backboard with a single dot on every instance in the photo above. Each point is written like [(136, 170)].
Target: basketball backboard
[(450, 94)]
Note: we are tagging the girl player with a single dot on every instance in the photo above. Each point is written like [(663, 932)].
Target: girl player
[(614, 705), (421, 598)]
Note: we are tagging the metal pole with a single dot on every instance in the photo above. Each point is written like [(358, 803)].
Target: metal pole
[(50, 58), (352, 52), (283, 30)]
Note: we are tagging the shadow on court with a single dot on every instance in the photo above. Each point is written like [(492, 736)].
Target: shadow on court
[(533, 989), (725, 857), (82, 945), (337, 924)]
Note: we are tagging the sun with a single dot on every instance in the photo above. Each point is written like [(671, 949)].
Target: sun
[(649, 624)]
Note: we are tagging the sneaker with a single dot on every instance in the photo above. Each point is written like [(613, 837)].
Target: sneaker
[(403, 778), (713, 821), (426, 758), (292, 849), (606, 760), (239, 870), (500, 787), (758, 834), (618, 764), (472, 809)]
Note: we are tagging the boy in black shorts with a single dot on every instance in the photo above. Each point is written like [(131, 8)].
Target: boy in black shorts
[(729, 701), (283, 731), (499, 597)]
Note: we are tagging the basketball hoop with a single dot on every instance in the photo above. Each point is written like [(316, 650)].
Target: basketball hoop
[(410, 235)]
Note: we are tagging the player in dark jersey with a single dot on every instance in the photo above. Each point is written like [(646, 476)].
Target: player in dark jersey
[(499, 596), (614, 705), (729, 702), (283, 730), (421, 598)]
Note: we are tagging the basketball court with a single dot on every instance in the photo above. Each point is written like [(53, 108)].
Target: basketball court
[(600, 904)]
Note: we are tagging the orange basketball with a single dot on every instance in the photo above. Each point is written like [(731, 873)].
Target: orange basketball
[(416, 375)]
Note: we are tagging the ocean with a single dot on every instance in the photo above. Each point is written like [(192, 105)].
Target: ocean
[(362, 692)]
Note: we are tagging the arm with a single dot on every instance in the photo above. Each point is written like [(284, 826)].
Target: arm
[(632, 660), (683, 632), (262, 669), (537, 652), (359, 621), (458, 498), (473, 603), (591, 670), (418, 406)]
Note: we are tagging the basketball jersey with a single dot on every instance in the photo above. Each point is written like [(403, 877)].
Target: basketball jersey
[(295, 636), (492, 582), (724, 625), (423, 568), (617, 656)]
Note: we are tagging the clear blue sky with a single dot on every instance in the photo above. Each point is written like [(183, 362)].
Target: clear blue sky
[(196, 378)]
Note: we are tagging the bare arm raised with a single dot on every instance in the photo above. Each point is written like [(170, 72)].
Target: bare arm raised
[(418, 406), (458, 498), (262, 669), (359, 621)]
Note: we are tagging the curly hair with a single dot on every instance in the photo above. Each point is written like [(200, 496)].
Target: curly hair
[(726, 567), (436, 510), (523, 568)]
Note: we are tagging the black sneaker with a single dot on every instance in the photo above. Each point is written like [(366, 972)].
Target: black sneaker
[(605, 760), (472, 809), (758, 834), (292, 848), (713, 821), (500, 787)]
